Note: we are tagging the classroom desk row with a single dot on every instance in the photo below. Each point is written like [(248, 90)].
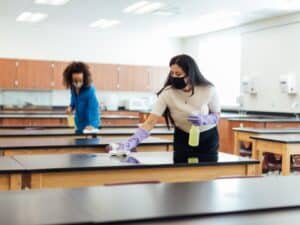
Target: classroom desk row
[(255, 201), (81, 170), (70, 133), (285, 142), (53, 145)]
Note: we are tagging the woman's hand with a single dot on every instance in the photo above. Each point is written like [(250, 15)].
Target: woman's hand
[(69, 110)]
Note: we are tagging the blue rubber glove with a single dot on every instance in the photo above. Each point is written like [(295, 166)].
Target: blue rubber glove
[(132, 142), (202, 120)]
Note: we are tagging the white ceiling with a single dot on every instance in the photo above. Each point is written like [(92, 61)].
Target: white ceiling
[(78, 14)]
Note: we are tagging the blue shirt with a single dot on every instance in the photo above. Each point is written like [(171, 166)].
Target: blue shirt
[(86, 108)]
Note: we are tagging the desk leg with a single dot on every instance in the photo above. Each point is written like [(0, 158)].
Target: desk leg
[(236, 150), (260, 157), (15, 181), (286, 162), (36, 181)]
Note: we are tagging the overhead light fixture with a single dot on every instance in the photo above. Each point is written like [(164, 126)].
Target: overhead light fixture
[(51, 2), (104, 23), (135, 6), (31, 17), (144, 7), (149, 8)]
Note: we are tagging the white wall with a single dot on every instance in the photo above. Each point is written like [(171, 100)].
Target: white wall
[(267, 55), (218, 57), (265, 49), (40, 42), (49, 43)]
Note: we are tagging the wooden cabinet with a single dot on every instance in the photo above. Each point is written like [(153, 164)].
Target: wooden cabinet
[(48, 75), (157, 78), (141, 78), (8, 73), (125, 78), (105, 76), (283, 125), (32, 74), (226, 133), (57, 79)]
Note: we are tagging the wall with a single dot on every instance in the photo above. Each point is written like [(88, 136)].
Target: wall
[(37, 41), (253, 49)]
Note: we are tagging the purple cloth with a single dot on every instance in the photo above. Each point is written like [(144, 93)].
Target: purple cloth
[(202, 120)]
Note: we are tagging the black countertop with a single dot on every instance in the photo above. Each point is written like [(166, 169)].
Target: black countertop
[(10, 165), (71, 132), (229, 201), (34, 143), (114, 126), (102, 161), (268, 130), (60, 116), (283, 138)]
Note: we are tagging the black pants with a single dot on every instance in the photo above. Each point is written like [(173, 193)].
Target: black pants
[(207, 151)]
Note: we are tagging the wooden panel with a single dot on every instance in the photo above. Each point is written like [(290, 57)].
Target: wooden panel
[(282, 125), (105, 76), (34, 74), (158, 76), (126, 78), (227, 134), (141, 78), (58, 70), (126, 113), (170, 175), (8, 73), (119, 121)]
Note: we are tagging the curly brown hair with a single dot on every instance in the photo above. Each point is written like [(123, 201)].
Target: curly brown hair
[(77, 67)]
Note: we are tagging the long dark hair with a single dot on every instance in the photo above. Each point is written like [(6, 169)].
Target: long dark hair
[(195, 78), (77, 67)]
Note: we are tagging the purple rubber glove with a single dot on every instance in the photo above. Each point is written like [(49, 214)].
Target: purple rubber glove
[(133, 141), (202, 120)]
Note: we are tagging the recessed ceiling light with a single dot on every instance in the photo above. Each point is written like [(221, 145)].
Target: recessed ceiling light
[(149, 8), (51, 2), (143, 7), (104, 23), (135, 6), (31, 17)]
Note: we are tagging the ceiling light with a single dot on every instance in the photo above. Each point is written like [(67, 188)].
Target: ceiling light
[(51, 2), (149, 8), (31, 17), (104, 23), (135, 6)]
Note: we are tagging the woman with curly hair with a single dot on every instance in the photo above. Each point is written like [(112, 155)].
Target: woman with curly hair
[(78, 79)]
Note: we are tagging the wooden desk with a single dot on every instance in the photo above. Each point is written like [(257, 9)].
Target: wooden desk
[(53, 171), (10, 174), (285, 145), (74, 146), (244, 134), (226, 202)]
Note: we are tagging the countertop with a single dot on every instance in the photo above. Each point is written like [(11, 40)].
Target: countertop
[(282, 138)]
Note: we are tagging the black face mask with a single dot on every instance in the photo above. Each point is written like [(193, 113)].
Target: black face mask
[(178, 82)]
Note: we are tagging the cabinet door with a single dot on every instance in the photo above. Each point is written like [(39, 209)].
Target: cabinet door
[(141, 78), (8, 73), (34, 74), (126, 78), (105, 76), (58, 69), (158, 76)]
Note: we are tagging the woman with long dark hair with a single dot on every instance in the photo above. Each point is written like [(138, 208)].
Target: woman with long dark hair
[(186, 99)]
